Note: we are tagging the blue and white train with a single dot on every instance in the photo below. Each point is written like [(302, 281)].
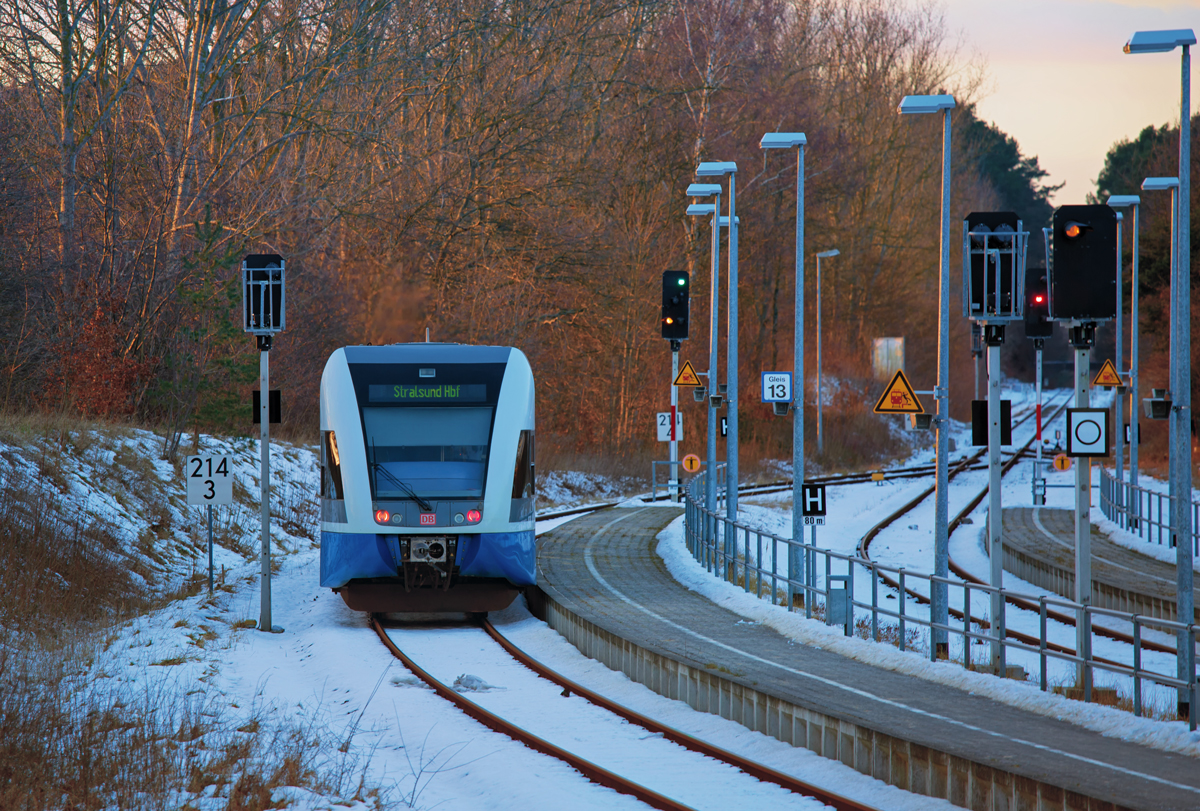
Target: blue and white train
[(427, 477)]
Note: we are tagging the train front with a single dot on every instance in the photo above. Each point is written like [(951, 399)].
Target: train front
[(427, 477)]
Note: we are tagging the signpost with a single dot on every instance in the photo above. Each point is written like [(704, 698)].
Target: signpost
[(263, 305), (209, 482), (812, 503)]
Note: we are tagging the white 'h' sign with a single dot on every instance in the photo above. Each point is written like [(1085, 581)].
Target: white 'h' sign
[(813, 498)]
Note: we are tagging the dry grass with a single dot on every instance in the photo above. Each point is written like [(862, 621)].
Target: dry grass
[(74, 737)]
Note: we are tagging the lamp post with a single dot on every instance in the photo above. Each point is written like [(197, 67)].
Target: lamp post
[(797, 141), (705, 190), (721, 169), (1179, 463), (915, 105), (1132, 504), (1181, 366), (820, 415)]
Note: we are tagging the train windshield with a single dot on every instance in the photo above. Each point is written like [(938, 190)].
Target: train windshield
[(424, 453)]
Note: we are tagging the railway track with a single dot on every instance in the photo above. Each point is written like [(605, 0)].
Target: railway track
[(962, 573), (562, 686)]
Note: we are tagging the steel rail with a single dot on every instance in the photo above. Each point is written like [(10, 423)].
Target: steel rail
[(756, 770), (597, 774)]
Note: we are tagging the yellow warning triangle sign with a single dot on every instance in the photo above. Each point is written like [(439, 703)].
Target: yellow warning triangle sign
[(899, 398), (687, 376), (1108, 376)]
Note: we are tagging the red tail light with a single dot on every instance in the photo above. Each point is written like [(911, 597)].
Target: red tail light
[(382, 516), (474, 516)]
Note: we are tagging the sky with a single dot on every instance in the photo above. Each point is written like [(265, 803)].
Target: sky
[(1058, 82)]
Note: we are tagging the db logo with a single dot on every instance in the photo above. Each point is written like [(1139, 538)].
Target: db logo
[(428, 519)]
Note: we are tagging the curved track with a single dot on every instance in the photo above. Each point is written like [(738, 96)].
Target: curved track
[(955, 522), (592, 771)]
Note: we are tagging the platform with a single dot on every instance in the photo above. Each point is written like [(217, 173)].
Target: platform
[(611, 595), (1039, 548)]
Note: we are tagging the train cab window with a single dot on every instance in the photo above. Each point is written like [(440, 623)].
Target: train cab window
[(436, 452), (331, 467), (523, 481)]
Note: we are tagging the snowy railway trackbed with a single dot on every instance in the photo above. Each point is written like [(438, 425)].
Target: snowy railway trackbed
[(969, 462), (963, 574), (682, 751)]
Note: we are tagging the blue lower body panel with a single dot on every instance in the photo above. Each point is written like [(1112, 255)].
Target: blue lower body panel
[(345, 556), (350, 556), (511, 555)]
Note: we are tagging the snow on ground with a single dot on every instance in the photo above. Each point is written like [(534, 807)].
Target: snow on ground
[(329, 675)]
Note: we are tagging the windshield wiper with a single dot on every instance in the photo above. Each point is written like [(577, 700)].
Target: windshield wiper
[(422, 503)]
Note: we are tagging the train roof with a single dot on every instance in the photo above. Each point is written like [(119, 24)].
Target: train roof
[(428, 353)]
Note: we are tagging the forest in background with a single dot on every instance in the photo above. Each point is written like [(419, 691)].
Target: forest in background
[(494, 172)]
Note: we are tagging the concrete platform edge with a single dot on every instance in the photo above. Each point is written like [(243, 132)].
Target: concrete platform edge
[(908, 766)]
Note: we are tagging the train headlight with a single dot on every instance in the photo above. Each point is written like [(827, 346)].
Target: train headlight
[(382, 516), (474, 516)]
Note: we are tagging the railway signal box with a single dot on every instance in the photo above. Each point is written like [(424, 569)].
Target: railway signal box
[(1037, 304), (262, 293), (676, 296), (994, 246), (1083, 263)]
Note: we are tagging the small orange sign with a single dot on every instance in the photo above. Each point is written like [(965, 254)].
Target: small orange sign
[(691, 463), (1107, 376), (1062, 462), (899, 398), (687, 376)]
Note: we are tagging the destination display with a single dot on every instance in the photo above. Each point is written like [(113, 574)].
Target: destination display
[(427, 393)]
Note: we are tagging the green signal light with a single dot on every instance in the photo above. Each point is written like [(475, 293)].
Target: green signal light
[(682, 282)]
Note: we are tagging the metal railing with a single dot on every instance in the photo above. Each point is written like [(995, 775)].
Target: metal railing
[(1145, 513), (788, 573)]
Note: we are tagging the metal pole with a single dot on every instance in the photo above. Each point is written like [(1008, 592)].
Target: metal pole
[(673, 488), (1120, 398), (794, 554), (941, 546), (1135, 404), (820, 413), (264, 447), (710, 477), (1181, 413), (731, 362), (1083, 505), (210, 552), (995, 522), (1039, 472)]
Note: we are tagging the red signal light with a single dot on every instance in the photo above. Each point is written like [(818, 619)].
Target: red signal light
[(474, 516), (382, 516), (1038, 299)]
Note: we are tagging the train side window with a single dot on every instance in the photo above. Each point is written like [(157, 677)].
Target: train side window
[(331, 467), (523, 473)]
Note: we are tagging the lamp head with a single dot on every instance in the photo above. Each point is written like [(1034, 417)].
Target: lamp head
[(1123, 200), (1155, 42), (703, 190), (700, 209), (716, 169), (827, 254), (782, 140), (925, 104), (1160, 183)]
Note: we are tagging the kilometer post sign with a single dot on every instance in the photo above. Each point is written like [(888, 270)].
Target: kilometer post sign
[(209, 479)]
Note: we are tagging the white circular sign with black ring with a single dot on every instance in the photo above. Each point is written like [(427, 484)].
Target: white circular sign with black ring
[(1087, 432)]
